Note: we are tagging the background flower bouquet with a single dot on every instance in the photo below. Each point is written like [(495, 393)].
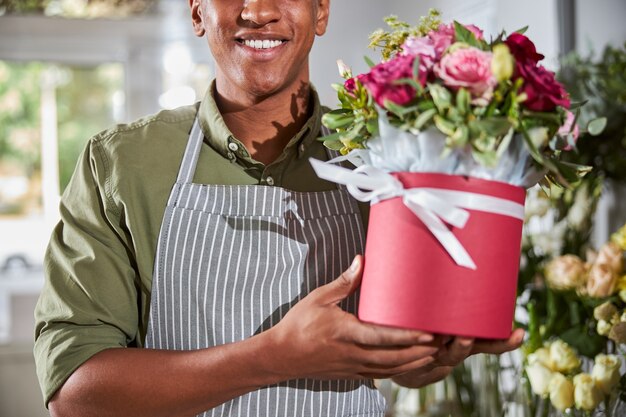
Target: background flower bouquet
[(446, 132)]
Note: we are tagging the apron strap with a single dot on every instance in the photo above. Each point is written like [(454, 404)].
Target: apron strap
[(192, 152)]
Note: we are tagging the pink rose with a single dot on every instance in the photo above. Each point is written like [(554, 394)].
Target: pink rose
[(445, 36), (469, 68), (522, 48), (544, 92), (380, 80), (422, 47), (567, 128)]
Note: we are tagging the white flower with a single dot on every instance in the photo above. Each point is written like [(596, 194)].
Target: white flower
[(539, 377), (606, 372), (561, 392), (541, 355), (563, 357), (603, 327), (587, 395), (344, 70)]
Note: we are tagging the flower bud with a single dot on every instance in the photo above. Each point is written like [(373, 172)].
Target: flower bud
[(606, 372), (563, 357), (587, 395), (565, 272), (539, 377), (612, 255), (601, 281), (502, 63), (605, 311), (542, 356), (603, 327), (618, 333), (561, 392), (344, 70)]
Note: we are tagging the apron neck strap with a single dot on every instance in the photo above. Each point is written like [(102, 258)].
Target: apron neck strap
[(192, 152)]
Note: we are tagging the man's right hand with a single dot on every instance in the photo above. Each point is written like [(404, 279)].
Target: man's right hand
[(317, 339)]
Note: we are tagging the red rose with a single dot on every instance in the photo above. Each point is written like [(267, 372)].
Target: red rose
[(544, 92), (380, 81), (522, 48)]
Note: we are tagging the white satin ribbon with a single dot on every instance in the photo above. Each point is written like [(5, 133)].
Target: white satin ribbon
[(433, 206)]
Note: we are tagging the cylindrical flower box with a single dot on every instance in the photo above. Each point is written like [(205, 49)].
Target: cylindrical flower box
[(410, 281)]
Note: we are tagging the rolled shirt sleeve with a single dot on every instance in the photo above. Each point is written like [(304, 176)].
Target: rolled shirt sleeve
[(89, 300)]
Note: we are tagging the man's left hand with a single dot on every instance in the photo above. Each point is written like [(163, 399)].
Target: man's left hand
[(451, 353)]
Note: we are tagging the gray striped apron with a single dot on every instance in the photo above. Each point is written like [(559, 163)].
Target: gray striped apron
[(232, 260)]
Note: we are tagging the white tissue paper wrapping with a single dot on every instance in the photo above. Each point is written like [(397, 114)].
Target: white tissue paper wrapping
[(395, 150)]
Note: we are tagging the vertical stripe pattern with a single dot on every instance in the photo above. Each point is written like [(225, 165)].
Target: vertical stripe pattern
[(231, 262)]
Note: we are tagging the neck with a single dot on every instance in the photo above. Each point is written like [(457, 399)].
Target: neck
[(264, 124)]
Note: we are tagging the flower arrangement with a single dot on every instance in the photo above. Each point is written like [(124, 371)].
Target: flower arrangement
[(446, 132), (577, 330), (483, 97)]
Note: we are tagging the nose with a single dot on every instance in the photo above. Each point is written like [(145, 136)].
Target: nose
[(261, 12)]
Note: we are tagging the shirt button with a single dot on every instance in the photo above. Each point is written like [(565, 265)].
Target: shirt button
[(302, 148), (233, 147), (231, 156), (269, 180)]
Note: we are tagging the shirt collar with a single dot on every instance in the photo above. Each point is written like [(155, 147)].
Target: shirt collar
[(219, 136)]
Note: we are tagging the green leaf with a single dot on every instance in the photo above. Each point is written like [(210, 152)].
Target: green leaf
[(493, 126), (464, 35), (424, 117), (411, 82), (338, 120), (586, 344), (441, 96), (445, 126), (416, 67), (463, 100), (335, 145), (596, 126), (521, 31), (571, 172), (577, 104), (331, 137), (369, 61)]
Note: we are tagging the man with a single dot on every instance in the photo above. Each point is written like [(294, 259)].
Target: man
[(212, 255)]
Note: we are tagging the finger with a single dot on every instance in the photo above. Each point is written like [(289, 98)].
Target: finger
[(393, 357), (365, 334), (500, 346), (376, 372), (344, 285), (456, 352)]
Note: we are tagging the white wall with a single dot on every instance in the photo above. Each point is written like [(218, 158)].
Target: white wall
[(598, 23)]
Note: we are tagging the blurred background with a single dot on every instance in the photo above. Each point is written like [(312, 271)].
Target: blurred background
[(70, 68)]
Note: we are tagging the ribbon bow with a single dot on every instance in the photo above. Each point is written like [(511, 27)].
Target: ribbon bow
[(433, 206)]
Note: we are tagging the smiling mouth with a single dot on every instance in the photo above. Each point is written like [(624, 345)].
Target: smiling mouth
[(261, 44)]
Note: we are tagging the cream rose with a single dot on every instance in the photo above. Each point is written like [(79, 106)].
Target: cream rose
[(601, 280), (561, 392), (605, 311), (539, 377), (606, 372), (604, 327), (563, 357), (541, 355), (611, 254), (587, 395), (566, 272), (618, 333)]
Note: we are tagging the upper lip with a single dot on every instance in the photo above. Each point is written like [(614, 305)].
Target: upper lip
[(261, 36)]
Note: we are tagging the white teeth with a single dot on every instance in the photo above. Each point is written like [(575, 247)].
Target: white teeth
[(262, 44)]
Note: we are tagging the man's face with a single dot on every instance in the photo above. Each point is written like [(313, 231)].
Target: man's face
[(260, 46)]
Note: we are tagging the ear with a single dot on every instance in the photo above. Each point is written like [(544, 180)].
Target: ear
[(196, 17), (323, 13)]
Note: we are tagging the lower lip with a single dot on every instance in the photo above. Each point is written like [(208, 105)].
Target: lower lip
[(262, 54)]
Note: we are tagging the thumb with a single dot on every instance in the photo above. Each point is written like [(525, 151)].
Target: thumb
[(345, 284)]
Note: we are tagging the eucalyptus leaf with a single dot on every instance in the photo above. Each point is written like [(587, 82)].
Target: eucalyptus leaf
[(597, 126), (446, 127), (463, 100)]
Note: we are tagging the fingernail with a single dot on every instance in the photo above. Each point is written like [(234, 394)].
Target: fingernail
[(466, 342), (355, 265), (425, 338)]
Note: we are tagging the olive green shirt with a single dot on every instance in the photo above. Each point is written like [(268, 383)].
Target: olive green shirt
[(100, 259)]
